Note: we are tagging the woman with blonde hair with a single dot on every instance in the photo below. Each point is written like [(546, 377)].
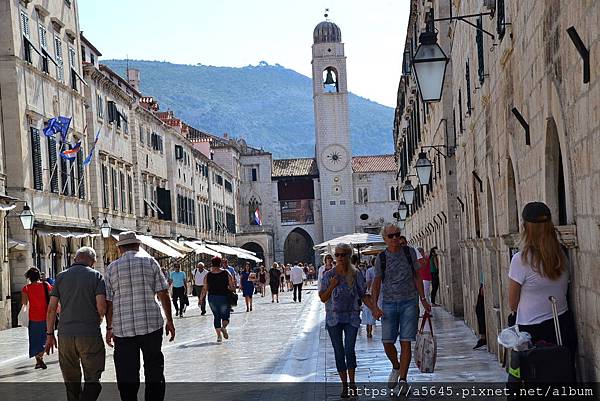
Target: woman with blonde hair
[(538, 272), (342, 289)]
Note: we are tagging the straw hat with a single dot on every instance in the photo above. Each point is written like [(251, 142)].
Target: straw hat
[(128, 237)]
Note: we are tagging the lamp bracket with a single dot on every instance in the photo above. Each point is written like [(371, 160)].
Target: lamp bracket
[(463, 19), (436, 148), (583, 52), (523, 123)]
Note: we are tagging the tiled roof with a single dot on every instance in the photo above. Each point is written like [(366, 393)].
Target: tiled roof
[(373, 164), (295, 168)]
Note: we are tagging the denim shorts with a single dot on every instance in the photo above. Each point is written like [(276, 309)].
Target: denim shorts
[(400, 319)]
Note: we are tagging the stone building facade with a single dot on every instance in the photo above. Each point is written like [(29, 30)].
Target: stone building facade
[(531, 66)]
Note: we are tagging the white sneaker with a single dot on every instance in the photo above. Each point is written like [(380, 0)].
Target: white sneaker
[(393, 378), (403, 388), (219, 339)]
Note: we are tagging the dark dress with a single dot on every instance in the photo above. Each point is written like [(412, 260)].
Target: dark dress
[(274, 280), (247, 285)]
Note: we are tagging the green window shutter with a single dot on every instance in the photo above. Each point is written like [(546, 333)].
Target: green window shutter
[(36, 153), (53, 170)]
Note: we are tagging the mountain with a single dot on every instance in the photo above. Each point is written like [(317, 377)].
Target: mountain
[(270, 106)]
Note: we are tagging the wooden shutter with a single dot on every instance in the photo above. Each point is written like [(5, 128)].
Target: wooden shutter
[(53, 171), (64, 176), (80, 174), (36, 153), (163, 198)]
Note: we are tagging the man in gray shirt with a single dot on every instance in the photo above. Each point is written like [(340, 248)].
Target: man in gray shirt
[(81, 292), (397, 279)]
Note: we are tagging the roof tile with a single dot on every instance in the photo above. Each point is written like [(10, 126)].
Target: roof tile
[(373, 164), (295, 167)]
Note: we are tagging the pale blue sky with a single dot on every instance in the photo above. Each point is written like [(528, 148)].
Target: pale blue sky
[(242, 32)]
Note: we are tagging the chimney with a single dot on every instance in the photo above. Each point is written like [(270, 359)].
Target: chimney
[(133, 77)]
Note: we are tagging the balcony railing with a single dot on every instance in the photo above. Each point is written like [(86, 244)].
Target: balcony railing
[(297, 212)]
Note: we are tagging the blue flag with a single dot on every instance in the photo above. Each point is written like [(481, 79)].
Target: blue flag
[(88, 159), (63, 127), (52, 127)]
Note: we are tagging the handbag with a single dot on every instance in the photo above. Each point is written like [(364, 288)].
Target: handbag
[(232, 297), (426, 347), (23, 317)]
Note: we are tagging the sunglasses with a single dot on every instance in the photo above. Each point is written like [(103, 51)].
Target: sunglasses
[(394, 235), (339, 255)]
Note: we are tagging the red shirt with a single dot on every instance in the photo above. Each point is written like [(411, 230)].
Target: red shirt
[(425, 271), (38, 306)]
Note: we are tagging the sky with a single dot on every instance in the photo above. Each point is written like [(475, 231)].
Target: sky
[(237, 33)]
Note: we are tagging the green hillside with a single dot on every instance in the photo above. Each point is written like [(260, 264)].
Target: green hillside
[(268, 105)]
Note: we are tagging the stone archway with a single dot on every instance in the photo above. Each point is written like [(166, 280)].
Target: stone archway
[(257, 249), (298, 247)]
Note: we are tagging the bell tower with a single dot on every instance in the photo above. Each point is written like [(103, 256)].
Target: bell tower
[(333, 151)]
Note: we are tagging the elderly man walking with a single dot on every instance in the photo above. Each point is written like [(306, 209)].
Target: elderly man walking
[(134, 321), (81, 293), (397, 279)]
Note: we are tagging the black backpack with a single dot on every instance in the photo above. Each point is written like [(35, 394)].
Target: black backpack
[(382, 261)]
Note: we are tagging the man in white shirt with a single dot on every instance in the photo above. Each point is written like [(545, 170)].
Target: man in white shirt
[(199, 274), (297, 278)]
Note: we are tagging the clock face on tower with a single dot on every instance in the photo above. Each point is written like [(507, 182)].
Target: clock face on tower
[(334, 157)]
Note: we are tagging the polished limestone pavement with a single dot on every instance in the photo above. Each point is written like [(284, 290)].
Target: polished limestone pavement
[(275, 343)]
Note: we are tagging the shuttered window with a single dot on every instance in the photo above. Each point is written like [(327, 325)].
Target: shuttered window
[(58, 53), (123, 197), (130, 193), (43, 34), (52, 163), (72, 168), (115, 189), (480, 54), (64, 176), (105, 187), (25, 31), (36, 153), (468, 79), (80, 174)]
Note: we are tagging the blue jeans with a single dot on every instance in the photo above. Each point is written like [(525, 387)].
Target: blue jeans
[(345, 358), (219, 305), (400, 318)]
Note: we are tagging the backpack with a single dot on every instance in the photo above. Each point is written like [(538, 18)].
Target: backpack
[(383, 260)]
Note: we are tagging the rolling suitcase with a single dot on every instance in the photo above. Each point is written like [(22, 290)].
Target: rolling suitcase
[(545, 362)]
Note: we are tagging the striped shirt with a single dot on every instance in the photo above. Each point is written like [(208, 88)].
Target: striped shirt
[(132, 282)]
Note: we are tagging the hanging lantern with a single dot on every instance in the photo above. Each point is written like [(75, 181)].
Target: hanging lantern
[(423, 168), (408, 191)]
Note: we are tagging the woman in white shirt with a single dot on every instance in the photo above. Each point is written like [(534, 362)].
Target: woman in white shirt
[(536, 273)]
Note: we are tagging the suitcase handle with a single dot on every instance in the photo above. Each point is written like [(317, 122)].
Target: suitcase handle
[(556, 322), (426, 318)]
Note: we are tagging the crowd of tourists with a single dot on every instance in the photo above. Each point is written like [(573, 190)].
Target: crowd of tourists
[(389, 288)]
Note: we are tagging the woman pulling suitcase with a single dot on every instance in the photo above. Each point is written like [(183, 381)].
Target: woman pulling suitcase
[(537, 272)]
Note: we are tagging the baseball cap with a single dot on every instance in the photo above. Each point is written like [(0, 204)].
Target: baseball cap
[(536, 212)]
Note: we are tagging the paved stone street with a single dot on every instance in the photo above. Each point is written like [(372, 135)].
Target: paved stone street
[(285, 342)]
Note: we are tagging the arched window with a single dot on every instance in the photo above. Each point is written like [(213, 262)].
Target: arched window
[(330, 80), (365, 195), (360, 195), (397, 193), (253, 206), (392, 193)]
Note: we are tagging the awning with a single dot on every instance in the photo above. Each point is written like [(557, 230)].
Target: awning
[(65, 234), (243, 250), (353, 239), (199, 248), (159, 246), (176, 245), (16, 244), (231, 251), (6, 208)]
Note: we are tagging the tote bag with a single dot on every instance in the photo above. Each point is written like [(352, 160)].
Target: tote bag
[(24, 316), (426, 347)]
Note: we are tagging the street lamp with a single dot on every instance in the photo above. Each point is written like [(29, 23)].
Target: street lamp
[(27, 218), (408, 191), (429, 64), (423, 168), (105, 229), (402, 210), (181, 239), (402, 224)]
